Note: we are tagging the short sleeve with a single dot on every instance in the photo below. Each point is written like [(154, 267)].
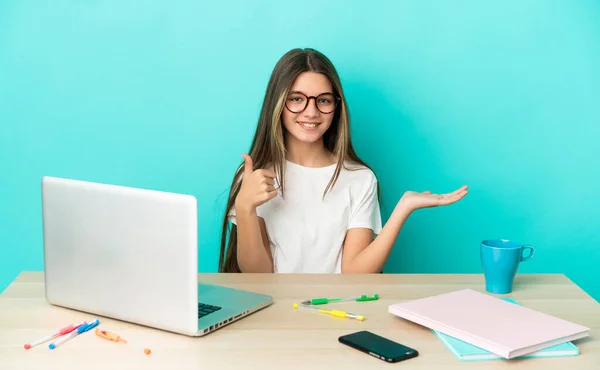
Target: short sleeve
[(365, 212)]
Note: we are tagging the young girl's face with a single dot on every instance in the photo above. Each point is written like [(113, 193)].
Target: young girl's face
[(310, 107)]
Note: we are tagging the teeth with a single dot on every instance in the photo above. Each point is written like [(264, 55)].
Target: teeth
[(310, 125)]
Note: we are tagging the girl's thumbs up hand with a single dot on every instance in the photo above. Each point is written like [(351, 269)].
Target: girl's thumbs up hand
[(258, 187)]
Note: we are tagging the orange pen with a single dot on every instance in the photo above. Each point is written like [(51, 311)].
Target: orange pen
[(115, 338), (110, 336)]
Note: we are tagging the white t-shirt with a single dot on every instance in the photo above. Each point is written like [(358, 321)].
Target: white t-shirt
[(306, 232)]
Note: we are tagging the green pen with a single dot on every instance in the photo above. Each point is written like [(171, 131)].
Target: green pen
[(359, 298)]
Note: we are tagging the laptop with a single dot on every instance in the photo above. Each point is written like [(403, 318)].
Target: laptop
[(132, 254)]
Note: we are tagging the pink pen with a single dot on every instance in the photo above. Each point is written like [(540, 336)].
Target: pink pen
[(63, 331)]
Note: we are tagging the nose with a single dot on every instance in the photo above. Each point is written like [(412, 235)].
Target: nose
[(311, 108)]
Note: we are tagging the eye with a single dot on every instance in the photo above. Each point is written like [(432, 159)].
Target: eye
[(296, 98)]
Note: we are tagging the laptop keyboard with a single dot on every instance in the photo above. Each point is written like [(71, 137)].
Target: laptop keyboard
[(206, 309)]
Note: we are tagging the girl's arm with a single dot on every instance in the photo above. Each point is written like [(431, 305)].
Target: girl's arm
[(362, 254), (253, 252)]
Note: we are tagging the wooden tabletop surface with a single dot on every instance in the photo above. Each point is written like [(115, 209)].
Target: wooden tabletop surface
[(279, 337)]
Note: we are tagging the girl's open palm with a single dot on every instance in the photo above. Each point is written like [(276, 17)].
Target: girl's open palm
[(414, 200)]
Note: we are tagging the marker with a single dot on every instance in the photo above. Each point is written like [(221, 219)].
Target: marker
[(116, 338), (109, 335), (359, 298), (336, 313), (60, 332), (82, 329)]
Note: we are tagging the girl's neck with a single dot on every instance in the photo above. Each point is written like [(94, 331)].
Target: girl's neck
[(309, 154)]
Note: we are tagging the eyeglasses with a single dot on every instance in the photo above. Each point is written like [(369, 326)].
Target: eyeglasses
[(326, 103)]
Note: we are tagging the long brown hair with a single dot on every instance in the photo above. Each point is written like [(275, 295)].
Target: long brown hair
[(268, 144)]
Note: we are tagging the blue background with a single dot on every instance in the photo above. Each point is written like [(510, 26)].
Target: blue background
[(502, 97)]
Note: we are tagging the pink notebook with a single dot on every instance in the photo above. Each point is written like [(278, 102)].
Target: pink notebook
[(501, 327)]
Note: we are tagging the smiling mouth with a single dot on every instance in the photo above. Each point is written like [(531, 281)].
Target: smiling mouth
[(308, 125)]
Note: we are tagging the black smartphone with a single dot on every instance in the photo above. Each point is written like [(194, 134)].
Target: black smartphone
[(379, 347)]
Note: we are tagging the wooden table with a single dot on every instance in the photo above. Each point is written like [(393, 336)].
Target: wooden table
[(280, 337)]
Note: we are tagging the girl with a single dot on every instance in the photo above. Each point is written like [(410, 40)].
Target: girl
[(302, 200)]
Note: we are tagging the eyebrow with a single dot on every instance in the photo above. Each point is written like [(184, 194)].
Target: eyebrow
[(298, 91)]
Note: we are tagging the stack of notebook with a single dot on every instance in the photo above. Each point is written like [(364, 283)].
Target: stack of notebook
[(477, 326), (468, 352)]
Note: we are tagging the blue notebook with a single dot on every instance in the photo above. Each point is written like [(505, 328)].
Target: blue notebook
[(468, 352)]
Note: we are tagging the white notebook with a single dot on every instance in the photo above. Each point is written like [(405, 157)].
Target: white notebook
[(500, 327)]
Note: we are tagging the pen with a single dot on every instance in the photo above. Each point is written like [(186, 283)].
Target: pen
[(115, 338), (82, 329), (359, 298), (109, 335), (60, 332), (336, 313)]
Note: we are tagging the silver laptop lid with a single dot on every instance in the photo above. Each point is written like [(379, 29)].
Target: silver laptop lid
[(121, 252)]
